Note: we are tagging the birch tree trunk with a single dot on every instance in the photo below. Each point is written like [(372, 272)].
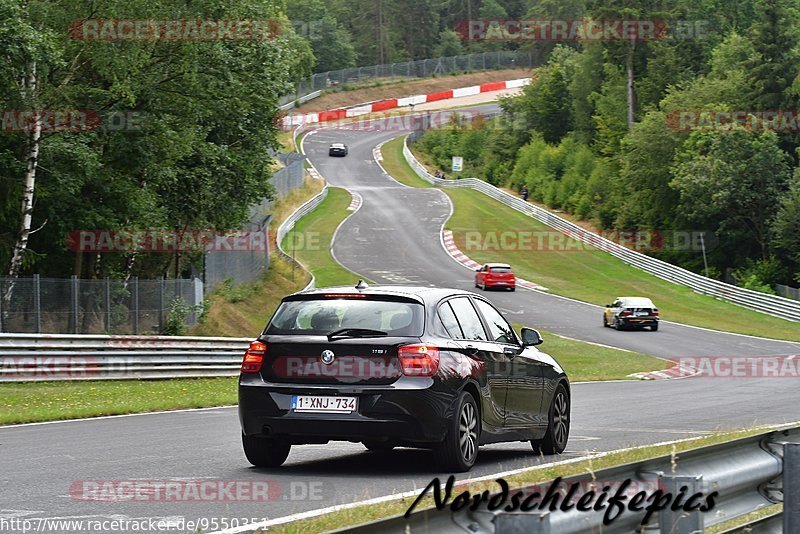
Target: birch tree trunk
[(32, 162)]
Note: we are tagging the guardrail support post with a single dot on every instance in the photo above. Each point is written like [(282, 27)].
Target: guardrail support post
[(2, 298), (161, 283), (791, 487), (73, 300), (37, 304), (107, 304), (522, 523), (135, 304), (680, 522)]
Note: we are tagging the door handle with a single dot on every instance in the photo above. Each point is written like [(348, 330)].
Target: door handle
[(510, 351), (471, 349)]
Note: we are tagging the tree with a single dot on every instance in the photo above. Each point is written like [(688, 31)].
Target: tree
[(550, 105), (330, 41), (449, 44), (198, 158), (786, 227), (732, 181), (774, 67)]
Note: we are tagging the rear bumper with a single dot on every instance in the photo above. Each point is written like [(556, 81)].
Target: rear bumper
[(638, 321), (408, 415), (501, 283)]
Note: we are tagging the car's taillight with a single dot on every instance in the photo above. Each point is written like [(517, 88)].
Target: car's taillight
[(418, 360), (654, 313), (624, 313), (254, 357)]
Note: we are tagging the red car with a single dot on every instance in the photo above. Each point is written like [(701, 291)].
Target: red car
[(495, 275)]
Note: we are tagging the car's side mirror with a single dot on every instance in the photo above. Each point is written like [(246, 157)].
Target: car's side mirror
[(608, 305), (531, 337)]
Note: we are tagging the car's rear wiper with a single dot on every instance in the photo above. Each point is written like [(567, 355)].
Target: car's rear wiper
[(355, 332)]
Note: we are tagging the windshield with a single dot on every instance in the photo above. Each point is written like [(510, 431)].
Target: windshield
[(320, 317)]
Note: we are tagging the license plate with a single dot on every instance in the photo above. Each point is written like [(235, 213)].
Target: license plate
[(641, 314), (316, 403)]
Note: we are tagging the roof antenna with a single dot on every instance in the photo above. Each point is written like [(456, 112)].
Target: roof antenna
[(361, 285)]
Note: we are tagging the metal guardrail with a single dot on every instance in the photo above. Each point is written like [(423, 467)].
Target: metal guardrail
[(770, 304), (40, 357), (302, 100), (748, 473), (289, 224)]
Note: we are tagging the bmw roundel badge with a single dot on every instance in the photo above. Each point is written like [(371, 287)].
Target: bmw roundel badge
[(327, 357)]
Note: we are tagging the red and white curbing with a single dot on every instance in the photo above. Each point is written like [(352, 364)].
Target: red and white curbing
[(460, 257), (676, 371), (356, 202), (382, 105), (314, 173)]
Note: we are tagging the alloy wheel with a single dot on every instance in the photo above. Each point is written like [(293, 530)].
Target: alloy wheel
[(467, 432)]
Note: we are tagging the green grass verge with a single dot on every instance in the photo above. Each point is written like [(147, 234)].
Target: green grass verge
[(49, 401), (310, 240), (585, 362), (363, 514), (397, 166), (587, 274), (591, 275), (243, 310)]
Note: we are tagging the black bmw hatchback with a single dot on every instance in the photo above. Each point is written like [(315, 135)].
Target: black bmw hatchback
[(392, 366)]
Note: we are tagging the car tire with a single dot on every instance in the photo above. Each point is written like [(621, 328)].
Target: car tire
[(451, 455), (265, 452), (654, 328), (617, 324), (555, 440), (378, 446), (512, 288), (605, 322)]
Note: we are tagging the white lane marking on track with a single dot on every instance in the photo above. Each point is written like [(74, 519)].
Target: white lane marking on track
[(100, 418)]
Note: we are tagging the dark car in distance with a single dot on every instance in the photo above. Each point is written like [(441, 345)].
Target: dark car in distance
[(337, 149), (392, 366)]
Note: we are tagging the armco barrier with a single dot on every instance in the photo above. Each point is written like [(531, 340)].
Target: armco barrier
[(291, 220), (45, 357), (770, 304), (748, 474)]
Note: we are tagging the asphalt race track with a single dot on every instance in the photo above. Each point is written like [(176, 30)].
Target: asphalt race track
[(392, 238)]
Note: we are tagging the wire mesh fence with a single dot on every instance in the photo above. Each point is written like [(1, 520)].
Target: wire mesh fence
[(423, 68), (97, 306), (248, 264), (788, 292)]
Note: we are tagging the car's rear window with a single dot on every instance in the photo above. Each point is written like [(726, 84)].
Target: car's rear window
[(500, 269), (321, 316)]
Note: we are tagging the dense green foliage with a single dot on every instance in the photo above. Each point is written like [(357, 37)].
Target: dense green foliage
[(569, 139), (349, 33), (196, 156)]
